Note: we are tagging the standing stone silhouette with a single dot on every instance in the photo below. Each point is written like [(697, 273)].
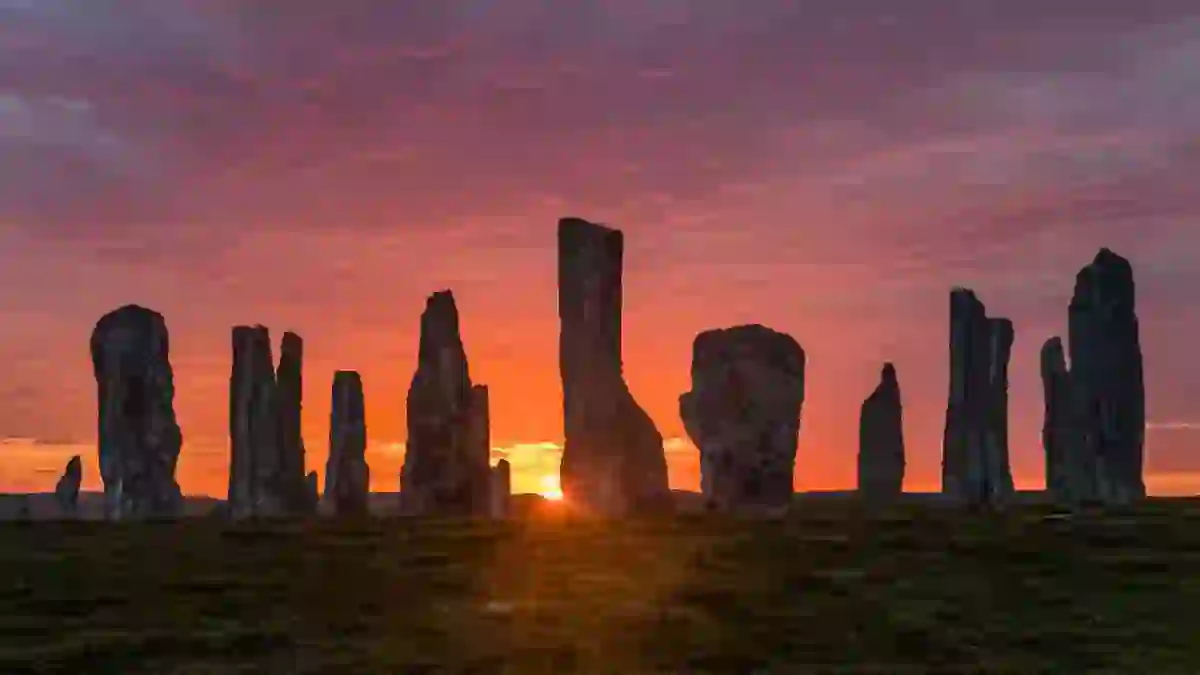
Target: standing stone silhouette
[(743, 413), (289, 389), (1068, 474), (881, 460), (1107, 378), (254, 465), (613, 461), (139, 439), (347, 476), (446, 461), (501, 489), (975, 466), (66, 491)]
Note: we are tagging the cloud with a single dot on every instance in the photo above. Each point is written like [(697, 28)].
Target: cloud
[(1173, 426)]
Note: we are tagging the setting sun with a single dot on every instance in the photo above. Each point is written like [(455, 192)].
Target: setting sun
[(550, 488)]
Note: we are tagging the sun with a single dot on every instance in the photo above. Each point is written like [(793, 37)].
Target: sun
[(550, 488)]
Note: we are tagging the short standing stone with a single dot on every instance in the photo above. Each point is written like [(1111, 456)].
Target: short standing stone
[(743, 413), (881, 440), (346, 473), (66, 492), (1058, 429), (139, 439), (312, 491), (501, 488)]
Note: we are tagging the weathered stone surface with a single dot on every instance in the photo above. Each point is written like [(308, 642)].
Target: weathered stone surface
[(743, 413), (1107, 379), (501, 488), (139, 439), (347, 476), (881, 440), (1064, 468), (254, 466), (66, 491), (975, 455), (289, 390), (446, 461), (613, 461)]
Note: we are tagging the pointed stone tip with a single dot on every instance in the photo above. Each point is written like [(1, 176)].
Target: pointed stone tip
[(1108, 258), (503, 463), (889, 371)]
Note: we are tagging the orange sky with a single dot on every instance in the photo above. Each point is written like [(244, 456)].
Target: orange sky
[(830, 173)]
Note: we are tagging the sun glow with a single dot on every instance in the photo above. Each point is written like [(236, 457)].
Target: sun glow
[(550, 488)]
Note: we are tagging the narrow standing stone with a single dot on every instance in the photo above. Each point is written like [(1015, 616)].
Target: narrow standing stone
[(501, 489), (1065, 470), (66, 491), (254, 467), (139, 439), (881, 440), (613, 461), (289, 386), (346, 473)]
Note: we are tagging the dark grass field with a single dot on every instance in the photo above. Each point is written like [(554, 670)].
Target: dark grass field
[(831, 589)]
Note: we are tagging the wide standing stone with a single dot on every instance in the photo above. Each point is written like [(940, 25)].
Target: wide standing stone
[(1107, 377), (501, 489), (613, 461), (743, 413), (289, 388), (139, 439), (66, 491), (975, 457), (347, 476), (446, 461), (254, 466), (881, 440)]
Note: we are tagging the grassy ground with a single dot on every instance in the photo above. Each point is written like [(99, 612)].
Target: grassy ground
[(829, 590)]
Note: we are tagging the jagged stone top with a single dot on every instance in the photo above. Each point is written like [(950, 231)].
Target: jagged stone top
[(439, 324), (124, 329), (1107, 280), (291, 344), (250, 334), (1053, 357), (779, 349)]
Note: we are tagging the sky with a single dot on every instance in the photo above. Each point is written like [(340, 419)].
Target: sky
[(826, 168)]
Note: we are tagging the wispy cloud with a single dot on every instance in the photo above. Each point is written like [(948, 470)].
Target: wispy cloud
[(1173, 426)]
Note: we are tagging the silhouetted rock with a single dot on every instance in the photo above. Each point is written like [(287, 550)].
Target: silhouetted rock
[(743, 413), (975, 460), (289, 389), (66, 491), (312, 492), (881, 440), (1065, 468), (139, 439), (1107, 379), (613, 461), (446, 461), (501, 489), (254, 465), (347, 476)]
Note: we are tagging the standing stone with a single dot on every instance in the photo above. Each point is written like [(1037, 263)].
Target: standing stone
[(743, 413), (347, 476), (289, 386), (975, 457), (312, 492), (66, 492), (501, 489), (997, 471), (139, 439), (613, 461), (1107, 378), (1065, 469), (254, 466), (881, 440), (446, 461)]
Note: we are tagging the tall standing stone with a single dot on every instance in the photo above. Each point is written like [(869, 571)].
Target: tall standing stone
[(881, 440), (254, 466), (1107, 377), (139, 439), (1065, 468), (501, 489), (613, 461), (446, 461), (975, 457), (743, 413), (289, 386), (66, 491), (347, 476)]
